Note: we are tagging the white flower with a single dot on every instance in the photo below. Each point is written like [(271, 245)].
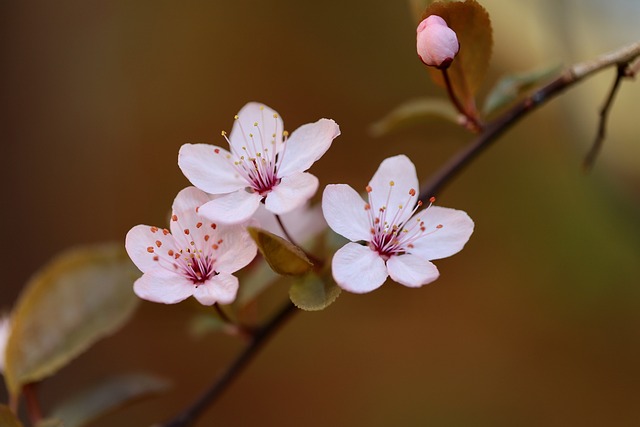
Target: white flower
[(5, 330), (437, 44), (195, 258), (263, 163), (399, 242)]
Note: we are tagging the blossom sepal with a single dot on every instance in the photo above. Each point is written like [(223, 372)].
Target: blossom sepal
[(283, 257)]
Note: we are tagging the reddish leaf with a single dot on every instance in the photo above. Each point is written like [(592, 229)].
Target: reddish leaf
[(472, 25)]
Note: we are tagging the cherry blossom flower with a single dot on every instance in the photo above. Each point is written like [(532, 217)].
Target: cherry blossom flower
[(197, 257), (399, 240), (264, 164), (437, 44)]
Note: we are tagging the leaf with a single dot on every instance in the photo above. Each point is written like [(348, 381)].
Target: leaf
[(283, 256), (418, 7), (203, 323), (8, 418), (472, 25), (314, 293), (107, 396), (50, 422), (415, 111), (509, 88), (79, 297)]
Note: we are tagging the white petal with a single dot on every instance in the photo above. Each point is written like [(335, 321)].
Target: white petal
[(358, 269), (292, 192), (306, 145), (244, 125), (411, 270), (163, 286), (345, 212), (144, 242), (445, 241), (401, 171), (232, 208), (219, 289), (236, 250), (188, 199), (209, 168)]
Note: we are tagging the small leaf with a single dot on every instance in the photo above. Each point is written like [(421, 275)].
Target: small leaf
[(8, 418), (50, 422), (107, 396), (205, 323), (313, 293), (81, 296), (283, 256), (509, 88), (472, 25), (415, 111)]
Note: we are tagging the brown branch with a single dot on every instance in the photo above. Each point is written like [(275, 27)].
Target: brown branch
[(493, 130), (604, 116)]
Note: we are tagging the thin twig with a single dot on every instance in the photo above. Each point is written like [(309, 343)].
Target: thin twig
[(494, 129), (192, 413), (604, 116), (34, 411), (476, 126)]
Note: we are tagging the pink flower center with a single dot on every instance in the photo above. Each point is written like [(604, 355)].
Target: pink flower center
[(190, 255), (394, 229), (258, 159)]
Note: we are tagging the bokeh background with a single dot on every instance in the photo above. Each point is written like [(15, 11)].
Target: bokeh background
[(535, 323)]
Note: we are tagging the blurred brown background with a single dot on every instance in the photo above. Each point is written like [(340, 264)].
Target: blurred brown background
[(535, 323)]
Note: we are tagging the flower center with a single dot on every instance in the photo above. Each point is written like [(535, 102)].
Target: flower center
[(190, 255), (394, 229), (258, 157)]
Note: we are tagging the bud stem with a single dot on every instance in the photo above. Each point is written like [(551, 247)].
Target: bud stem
[(474, 123)]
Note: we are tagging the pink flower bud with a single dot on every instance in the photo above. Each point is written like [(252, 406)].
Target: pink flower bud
[(437, 44)]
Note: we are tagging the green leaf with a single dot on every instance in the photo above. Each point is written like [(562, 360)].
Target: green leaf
[(79, 297), (8, 418), (50, 422), (283, 256), (204, 323), (509, 88), (472, 25), (415, 111), (107, 396), (313, 293)]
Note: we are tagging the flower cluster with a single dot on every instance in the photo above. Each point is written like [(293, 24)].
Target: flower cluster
[(263, 173)]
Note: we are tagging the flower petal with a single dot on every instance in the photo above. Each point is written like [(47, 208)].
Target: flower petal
[(163, 286), (144, 242), (358, 269), (411, 270), (441, 242), (292, 192), (237, 249), (232, 208), (209, 168), (188, 199), (219, 289), (306, 145), (401, 171), (345, 212), (268, 127)]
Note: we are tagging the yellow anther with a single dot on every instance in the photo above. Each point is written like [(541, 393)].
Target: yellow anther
[(391, 183), (236, 117), (223, 133), (255, 124), (275, 116)]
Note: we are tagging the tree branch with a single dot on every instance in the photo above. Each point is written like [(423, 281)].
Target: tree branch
[(493, 130)]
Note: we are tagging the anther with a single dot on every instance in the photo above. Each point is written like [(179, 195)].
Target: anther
[(150, 249), (432, 199), (154, 229), (158, 243), (186, 231), (198, 225), (369, 189), (412, 192), (174, 217)]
